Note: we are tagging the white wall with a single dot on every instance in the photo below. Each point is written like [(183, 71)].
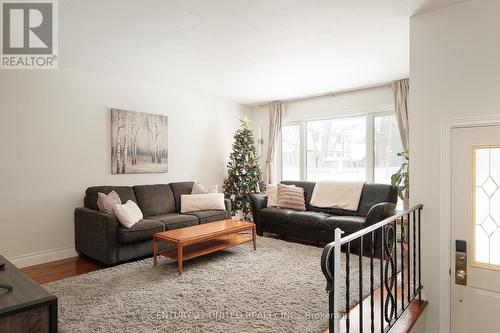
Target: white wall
[(354, 103), (55, 142), (454, 72)]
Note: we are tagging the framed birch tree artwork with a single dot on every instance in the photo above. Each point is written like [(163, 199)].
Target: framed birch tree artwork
[(139, 142)]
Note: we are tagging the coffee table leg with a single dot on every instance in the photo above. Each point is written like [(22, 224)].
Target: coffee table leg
[(179, 257), (155, 251), (254, 236)]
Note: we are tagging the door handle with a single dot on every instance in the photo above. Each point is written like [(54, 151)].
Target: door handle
[(461, 262)]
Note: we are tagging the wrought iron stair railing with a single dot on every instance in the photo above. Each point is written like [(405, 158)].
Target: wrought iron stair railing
[(378, 241)]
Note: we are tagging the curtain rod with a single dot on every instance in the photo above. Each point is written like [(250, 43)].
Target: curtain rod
[(330, 94)]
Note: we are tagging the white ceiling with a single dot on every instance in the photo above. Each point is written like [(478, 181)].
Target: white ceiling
[(244, 50)]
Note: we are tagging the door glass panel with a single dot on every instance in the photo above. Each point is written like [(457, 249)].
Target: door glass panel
[(486, 205)]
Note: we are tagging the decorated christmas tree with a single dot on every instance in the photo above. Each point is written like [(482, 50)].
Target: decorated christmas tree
[(244, 174)]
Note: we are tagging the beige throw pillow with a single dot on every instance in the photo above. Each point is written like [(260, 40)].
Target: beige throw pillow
[(197, 202), (272, 195), (105, 202), (128, 214), (291, 197)]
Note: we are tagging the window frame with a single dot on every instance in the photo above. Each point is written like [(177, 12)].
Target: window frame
[(301, 124), (370, 141)]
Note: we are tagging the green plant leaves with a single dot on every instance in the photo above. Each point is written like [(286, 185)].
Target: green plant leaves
[(401, 179)]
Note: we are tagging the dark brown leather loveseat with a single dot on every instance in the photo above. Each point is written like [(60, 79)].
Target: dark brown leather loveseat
[(377, 202), (100, 236)]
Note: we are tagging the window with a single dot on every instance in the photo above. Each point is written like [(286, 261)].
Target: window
[(290, 152), (387, 145), (486, 206), (336, 149), (360, 148)]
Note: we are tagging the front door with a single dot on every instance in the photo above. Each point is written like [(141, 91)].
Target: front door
[(475, 230)]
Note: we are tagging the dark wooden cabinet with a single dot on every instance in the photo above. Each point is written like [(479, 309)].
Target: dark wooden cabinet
[(27, 307)]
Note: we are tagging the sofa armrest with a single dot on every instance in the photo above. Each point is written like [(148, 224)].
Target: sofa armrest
[(96, 234), (258, 202), (227, 203), (380, 212)]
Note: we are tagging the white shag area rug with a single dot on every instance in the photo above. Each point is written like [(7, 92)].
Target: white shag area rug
[(278, 288)]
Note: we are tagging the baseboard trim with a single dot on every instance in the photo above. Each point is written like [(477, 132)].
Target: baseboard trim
[(43, 257)]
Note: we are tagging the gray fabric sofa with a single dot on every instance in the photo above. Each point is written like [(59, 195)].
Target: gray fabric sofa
[(377, 202), (100, 236)]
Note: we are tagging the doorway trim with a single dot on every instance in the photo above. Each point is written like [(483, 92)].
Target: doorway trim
[(447, 125)]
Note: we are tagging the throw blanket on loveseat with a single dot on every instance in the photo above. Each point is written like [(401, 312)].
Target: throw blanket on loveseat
[(337, 194)]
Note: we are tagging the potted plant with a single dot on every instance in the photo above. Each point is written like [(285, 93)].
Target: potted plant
[(401, 180)]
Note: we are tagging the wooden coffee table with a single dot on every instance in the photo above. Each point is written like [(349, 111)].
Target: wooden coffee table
[(202, 239)]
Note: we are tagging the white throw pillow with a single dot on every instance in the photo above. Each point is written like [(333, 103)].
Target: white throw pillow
[(105, 202), (272, 195), (200, 189), (128, 214), (206, 201)]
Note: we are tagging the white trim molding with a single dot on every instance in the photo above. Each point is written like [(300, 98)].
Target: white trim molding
[(42, 257), (447, 125)]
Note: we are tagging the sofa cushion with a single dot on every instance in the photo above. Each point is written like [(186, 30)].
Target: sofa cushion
[(275, 215), (376, 193), (142, 230), (155, 199), (308, 189), (309, 219), (175, 221), (206, 216), (126, 193), (347, 224), (179, 189)]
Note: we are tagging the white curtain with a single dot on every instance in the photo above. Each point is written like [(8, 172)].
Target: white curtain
[(401, 92), (276, 114)]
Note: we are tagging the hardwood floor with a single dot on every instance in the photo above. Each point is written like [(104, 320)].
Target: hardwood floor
[(62, 269)]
